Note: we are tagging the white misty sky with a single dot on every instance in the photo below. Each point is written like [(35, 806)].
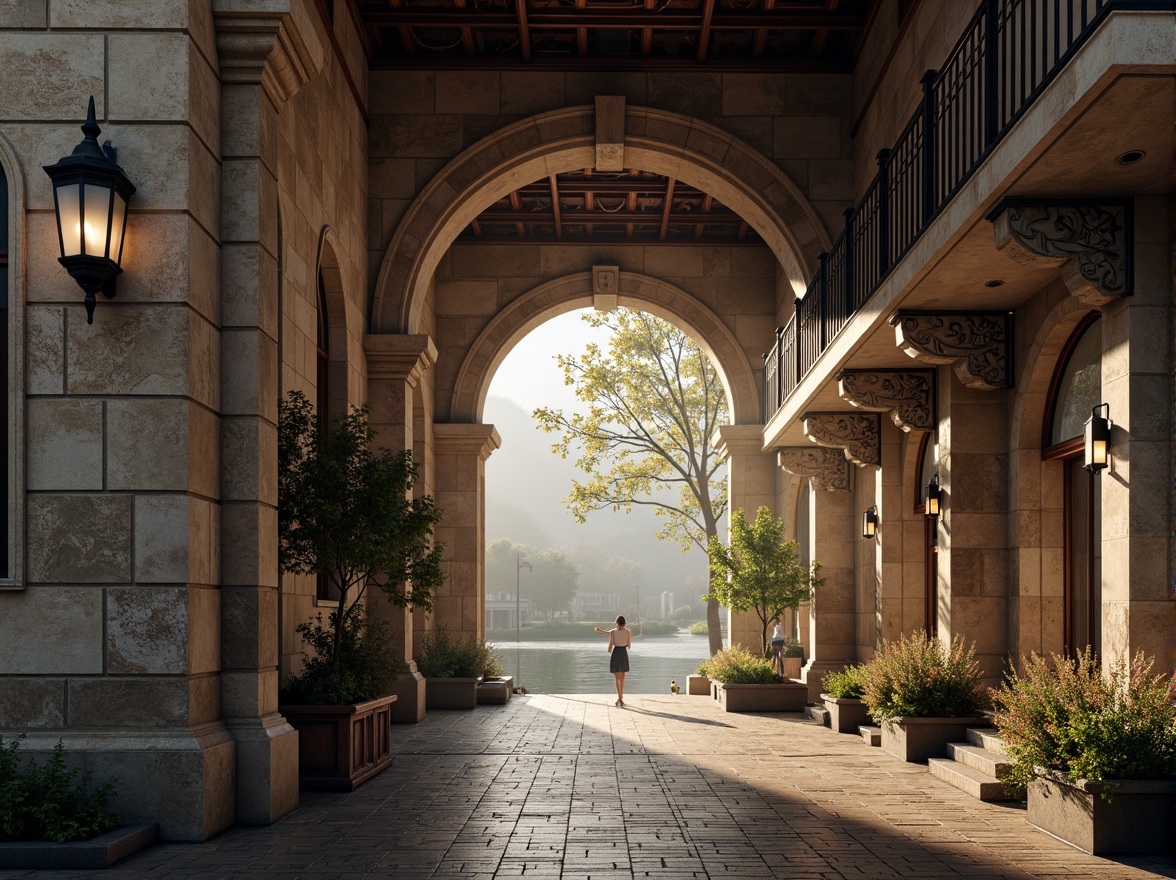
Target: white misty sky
[(530, 376)]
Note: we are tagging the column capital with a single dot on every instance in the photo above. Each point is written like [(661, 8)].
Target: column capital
[(857, 434), (978, 343), (731, 440), (829, 468), (465, 439), (398, 356), (908, 394), (272, 44), (1092, 242)]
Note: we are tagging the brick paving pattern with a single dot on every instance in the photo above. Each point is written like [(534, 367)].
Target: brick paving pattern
[(669, 787)]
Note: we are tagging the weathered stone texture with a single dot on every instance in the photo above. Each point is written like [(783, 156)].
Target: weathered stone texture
[(79, 539)]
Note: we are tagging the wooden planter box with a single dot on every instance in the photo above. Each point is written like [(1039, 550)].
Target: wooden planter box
[(1140, 818), (697, 685), (917, 739), (792, 666), (846, 714), (451, 693), (784, 697), (341, 747), (495, 691)]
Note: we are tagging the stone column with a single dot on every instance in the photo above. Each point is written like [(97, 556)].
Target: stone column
[(1139, 595), (887, 557), (832, 616), (395, 367), (973, 521), (751, 482), (460, 453), (265, 56)]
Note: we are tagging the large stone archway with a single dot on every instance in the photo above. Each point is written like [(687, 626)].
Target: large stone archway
[(686, 149), (572, 292)]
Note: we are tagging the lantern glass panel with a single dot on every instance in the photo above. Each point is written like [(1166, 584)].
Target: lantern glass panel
[(118, 224), (97, 208), (69, 217)]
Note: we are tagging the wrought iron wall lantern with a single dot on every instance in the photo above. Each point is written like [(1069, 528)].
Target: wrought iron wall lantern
[(90, 196), (931, 497), (1097, 436), (870, 522)]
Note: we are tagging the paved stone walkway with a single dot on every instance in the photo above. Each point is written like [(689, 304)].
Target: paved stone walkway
[(669, 787)]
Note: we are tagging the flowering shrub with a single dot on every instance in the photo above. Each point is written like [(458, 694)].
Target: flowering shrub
[(920, 677), (1066, 716), (849, 683), (736, 666)]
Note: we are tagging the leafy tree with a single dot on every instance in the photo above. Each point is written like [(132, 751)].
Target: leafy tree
[(760, 571), (550, 584), (654, 402), (344, 512)]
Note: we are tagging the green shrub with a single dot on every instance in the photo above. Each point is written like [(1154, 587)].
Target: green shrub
[(736, 666), (1066, 716), (919, 677), (792, 648), (849, 683), (48, 802), (443, 656), (698, 629), (367, 663)]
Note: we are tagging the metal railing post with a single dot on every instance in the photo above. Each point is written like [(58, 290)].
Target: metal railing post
[(929, 147), (796, 338), (823, 299), (883, 159), (991, 74), (847, 267)]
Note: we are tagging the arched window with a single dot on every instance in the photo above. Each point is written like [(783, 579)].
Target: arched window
[(927, 469), (326, 591), (1076, 387)]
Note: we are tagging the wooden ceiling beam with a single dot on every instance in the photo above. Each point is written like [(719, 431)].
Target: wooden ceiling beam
[(524, 29), (582, 33), (467, 34), (555, 208), (667, 206), (708, 11), (563, 18), (406, 36), (647, 33), (613, 218), (761, 35)]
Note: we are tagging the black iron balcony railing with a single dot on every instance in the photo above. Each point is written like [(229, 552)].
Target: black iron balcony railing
[(1008, 54)]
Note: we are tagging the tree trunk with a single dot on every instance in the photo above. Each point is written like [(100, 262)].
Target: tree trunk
[(714, 631)]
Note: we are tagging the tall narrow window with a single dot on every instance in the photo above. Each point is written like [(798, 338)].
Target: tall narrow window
[(930, 538), (326, 591), (4, 475), (1077, 387)]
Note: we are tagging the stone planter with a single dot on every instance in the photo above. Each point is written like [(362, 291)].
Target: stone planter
[(792, 666), (917, 739), (846, 714), (451, 693), (1139, 818), (784, 697), (98, 853), (697, 685), (342, 747), (495, 691)]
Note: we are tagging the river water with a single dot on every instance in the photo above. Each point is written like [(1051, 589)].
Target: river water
[(582, 667)]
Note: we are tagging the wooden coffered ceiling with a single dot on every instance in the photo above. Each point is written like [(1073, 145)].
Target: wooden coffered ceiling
[(615, 34), (633, 207)]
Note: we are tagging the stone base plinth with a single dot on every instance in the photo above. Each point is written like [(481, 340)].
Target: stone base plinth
[(267, 768), (409, 707), (785, 697), (846, 715), (917, 739)]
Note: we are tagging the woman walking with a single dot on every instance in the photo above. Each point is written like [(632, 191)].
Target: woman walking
[(619, 640)]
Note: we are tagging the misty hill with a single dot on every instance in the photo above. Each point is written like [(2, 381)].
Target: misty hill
[(525, 487)]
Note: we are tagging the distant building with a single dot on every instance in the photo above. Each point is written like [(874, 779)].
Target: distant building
[(501, 611), (594, 606)]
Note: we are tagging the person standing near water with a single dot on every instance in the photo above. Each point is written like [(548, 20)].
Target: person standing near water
[(619, 640)]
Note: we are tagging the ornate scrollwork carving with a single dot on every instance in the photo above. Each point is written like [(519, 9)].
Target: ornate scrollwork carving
[(857, 434), (908, 394), (979, 344), (828, 468), (1092, 242)]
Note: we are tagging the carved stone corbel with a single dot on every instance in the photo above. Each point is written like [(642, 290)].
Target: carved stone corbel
[(980, 344), (277, 48), (858, 435), (1091, 242), (908, 394), (828, 468)]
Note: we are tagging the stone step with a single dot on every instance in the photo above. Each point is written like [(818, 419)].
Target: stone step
[(872, 735), (986, 738), (987, 762), (973, 782), (818, 713)]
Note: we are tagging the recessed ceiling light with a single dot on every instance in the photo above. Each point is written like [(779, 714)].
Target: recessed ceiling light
[(995, 282), (1130, 157)]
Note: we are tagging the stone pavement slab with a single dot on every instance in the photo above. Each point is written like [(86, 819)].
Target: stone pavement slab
[(573, 788)]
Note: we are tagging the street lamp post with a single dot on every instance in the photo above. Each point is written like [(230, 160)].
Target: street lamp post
[(520, 564)]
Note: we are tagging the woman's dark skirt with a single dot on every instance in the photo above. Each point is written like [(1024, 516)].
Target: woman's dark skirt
[(619, 660)]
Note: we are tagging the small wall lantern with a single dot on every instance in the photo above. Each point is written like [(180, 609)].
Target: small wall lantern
[(90, 196), (870, 522), (931, 495), (1097, 434)]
